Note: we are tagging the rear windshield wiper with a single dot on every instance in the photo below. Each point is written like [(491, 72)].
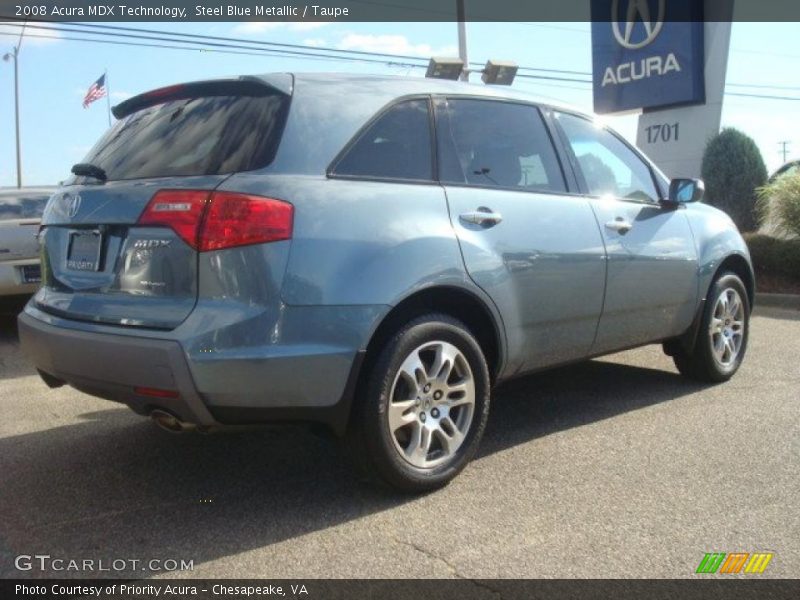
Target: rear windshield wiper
[(89, 170)]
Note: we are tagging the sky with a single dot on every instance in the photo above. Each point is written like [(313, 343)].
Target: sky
[(56, 131)]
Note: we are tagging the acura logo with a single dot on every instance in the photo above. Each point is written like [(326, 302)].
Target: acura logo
[(637, 10), (73, 205)]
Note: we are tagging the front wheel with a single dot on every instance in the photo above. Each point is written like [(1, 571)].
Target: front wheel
[(423, 407), (722, 338)]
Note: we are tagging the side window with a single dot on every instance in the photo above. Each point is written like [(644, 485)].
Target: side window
[(608, 166), (396, 146), (489, 143)]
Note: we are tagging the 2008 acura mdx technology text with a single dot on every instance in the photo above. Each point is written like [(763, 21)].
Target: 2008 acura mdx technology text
[(373, 254)]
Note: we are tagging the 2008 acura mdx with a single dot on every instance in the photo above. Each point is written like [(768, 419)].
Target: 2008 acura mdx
[(373, 254)]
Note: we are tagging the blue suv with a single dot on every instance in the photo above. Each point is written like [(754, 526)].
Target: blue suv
[(372, 254)]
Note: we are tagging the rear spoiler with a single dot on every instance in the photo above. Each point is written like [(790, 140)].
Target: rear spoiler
[(242, 86)]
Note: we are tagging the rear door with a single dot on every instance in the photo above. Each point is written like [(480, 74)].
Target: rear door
[(100, 263), (531, 245), (651, 292)]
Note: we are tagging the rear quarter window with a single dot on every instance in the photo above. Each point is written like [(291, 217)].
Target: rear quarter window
[(210, 135), (397, 145)]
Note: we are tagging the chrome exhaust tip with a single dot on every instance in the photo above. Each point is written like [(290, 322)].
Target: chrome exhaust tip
[(170, 422)]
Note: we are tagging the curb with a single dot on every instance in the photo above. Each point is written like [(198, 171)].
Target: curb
[(778, 300)]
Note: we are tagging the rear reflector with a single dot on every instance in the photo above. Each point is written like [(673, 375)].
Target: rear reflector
[(219, 220), (155, 392)]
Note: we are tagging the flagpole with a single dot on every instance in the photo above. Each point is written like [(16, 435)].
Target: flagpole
[(108, 97)]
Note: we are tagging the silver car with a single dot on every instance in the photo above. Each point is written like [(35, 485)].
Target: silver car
[(20, 214), (373, 254)]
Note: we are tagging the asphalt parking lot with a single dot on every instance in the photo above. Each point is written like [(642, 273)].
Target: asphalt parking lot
[(613, 468)]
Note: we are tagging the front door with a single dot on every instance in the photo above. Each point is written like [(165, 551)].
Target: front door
[(651, 291)]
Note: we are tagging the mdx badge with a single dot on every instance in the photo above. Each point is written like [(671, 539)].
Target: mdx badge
[(151, 243)]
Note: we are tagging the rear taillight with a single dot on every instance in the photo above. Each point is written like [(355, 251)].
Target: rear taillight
[(181, 210), (218, 220), (239, 220)]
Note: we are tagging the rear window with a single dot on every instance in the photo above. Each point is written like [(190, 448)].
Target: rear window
[(210, 135), (22, 205)]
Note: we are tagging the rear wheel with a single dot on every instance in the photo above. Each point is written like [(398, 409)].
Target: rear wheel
[(722, 339), (423, 407)]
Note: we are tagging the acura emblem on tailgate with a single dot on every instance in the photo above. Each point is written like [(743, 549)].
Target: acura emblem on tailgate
[(73, 205)]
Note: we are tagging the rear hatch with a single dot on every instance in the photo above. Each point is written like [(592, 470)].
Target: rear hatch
[(120, 241)]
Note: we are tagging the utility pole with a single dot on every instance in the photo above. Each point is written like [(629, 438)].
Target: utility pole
[(14, 54), (462, 39), (784, 149)]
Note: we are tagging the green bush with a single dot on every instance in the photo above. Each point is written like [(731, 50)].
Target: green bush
[(781, 200), (775, 256), (733, 170)]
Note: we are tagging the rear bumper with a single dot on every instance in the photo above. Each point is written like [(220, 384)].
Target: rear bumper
[(112, 366)]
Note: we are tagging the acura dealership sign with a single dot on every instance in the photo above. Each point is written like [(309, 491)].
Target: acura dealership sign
[(647, 54)]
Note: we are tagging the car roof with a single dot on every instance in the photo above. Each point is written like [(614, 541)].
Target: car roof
[(343, 103), (405, 85)]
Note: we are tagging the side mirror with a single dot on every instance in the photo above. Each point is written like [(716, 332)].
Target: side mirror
[(682, 191)]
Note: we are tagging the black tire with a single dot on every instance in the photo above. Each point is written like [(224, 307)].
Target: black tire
[(701, 363), (370, 441)]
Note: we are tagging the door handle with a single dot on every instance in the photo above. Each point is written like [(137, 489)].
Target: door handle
[(482, 216), (619, 225)]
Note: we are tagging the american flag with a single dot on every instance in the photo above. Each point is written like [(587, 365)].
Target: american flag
[(96, 91)]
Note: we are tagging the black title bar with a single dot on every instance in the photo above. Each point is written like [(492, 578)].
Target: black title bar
[(356, 10), (705, 588)]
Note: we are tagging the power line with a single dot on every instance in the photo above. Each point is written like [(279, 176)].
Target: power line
[(557, 85), (551, 78), (199, 36), (245, 45), (166, 40), (162, 46), (21, 33), (763, 96), (241, 46), (160, 34), (763, 86), (345, 51)]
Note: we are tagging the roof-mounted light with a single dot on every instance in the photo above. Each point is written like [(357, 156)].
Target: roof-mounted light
[(499, 72), (445, 68)]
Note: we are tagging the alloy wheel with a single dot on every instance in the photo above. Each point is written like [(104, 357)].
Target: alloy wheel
[(727, 327), (431, 404)]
